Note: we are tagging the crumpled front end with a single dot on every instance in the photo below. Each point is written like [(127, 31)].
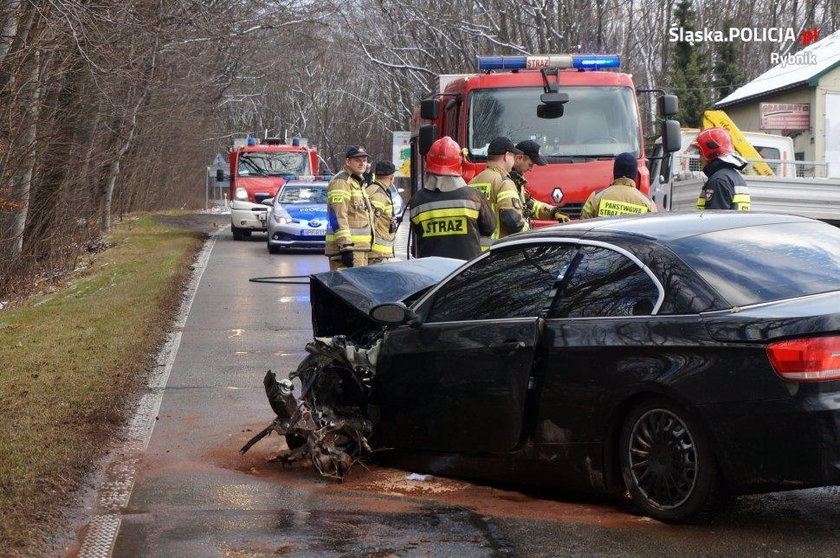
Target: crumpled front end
[(327, 424)]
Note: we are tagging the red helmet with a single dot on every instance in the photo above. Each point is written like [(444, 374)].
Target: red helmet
[(714, 143), (444, 157)]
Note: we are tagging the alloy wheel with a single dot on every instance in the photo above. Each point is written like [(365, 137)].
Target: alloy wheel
[(663, 458)]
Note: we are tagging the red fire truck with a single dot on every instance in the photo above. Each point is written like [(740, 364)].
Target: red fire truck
[(258, 168), (580, 112)]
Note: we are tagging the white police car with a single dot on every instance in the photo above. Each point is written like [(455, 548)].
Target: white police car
[(298, 216)]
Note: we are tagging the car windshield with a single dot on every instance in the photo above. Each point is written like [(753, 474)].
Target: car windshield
[(257, 163), (596, 122), (766, 263), (303, 194)]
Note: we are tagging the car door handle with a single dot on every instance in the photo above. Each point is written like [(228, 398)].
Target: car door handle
[(509, 347)]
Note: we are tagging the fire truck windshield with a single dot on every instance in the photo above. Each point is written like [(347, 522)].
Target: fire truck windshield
[(597, 122), (273, 163)]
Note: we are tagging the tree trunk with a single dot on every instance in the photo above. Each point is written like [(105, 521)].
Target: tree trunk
[(23, 178)]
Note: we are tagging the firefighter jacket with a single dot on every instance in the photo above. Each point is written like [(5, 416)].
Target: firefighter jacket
[(448, 219), (537, 210), (619, 198), (725, 188), (349, 215), (505, 203), (384, 220)]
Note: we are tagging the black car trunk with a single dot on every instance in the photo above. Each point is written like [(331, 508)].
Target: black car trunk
[(812, 315)]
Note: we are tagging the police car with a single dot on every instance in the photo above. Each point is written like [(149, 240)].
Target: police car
[(298, 216)]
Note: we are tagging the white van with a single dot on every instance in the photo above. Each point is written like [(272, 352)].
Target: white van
[(777, 149)]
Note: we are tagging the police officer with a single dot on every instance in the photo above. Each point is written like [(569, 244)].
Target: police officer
[(534, 209), (725, 188), (621, 197), (349, 215), (384, 220), (447, 218), (496, 185)]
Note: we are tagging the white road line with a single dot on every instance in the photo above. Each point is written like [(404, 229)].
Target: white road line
[(119, 477)]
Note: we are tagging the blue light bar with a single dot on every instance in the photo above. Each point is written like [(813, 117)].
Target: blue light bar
[(549, 61), (591, 62)]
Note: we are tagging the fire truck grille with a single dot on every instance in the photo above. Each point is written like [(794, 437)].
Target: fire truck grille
[(572, 210)]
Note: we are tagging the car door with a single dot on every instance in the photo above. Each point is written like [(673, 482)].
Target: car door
[(459, 382)]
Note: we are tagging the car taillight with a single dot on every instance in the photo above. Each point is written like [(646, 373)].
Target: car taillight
[(814, 359)]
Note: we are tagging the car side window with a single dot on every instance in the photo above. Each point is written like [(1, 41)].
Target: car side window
[(517, 282), (605, 283)]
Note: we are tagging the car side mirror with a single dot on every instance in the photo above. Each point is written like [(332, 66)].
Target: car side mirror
[(429, 109), (268, 201), (394, 314)]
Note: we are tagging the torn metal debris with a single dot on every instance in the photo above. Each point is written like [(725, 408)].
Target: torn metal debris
[(327, 425)]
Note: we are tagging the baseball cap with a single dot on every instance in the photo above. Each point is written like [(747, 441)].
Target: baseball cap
[(384, 168), (502, 145), (356, 151), (532, 150)]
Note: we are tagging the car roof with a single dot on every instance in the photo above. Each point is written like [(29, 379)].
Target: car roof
[(662, 227), (306, 183)]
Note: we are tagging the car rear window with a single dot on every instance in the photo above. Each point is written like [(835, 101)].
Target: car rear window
[(765, 263)]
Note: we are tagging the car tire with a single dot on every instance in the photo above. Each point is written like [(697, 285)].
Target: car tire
[(668, 464), (273, 249), (238, 234)]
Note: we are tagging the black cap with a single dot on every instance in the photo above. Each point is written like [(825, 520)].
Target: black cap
[(384, 168), (625, 165), (532, 150), (356, 151), (502, 145)]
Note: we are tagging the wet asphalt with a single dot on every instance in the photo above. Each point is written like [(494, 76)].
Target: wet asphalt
[(194, 495)]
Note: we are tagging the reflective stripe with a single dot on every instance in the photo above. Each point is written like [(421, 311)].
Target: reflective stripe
[(741, 201), (701, 203), (484, 187), (443, 213), (611, 207), (501, 196), (340, 234), (469, 204), (361, 239)]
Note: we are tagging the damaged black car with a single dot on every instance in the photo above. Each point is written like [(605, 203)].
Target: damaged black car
[(680, 358)]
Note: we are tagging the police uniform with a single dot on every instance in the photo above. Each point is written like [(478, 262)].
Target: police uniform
[(384, 224), (448, 219), (505, 203), (349, 219), (725, 188), (619, 198)]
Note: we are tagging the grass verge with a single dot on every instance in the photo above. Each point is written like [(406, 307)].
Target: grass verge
[(69, 363)]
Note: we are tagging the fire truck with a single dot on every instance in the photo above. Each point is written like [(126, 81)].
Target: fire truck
[(258, 168), (577, 107)]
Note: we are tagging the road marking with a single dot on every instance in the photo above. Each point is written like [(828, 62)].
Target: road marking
[(115, 491)]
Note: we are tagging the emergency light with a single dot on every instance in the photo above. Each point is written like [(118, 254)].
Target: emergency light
[(549, 62)]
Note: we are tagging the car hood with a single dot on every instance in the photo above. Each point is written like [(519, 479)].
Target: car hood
[(306, 212), (342, 299)]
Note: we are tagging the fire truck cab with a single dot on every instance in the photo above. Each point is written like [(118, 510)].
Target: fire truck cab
[(581, 114), (258, 169)]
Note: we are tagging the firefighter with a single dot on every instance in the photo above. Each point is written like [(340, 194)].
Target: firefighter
[(725, 187), (384, 220), (447, 218), (523, 163), (349, 215), (496, 185), (622, 196)]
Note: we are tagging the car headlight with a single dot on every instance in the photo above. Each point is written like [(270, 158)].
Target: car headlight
[(281, 215), (241, 194)]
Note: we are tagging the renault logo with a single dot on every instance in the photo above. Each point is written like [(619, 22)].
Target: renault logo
[(557, 195)]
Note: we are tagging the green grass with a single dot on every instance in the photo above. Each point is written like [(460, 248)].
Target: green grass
[(69, 363)]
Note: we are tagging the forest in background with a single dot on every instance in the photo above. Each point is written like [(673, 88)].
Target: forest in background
[(109, 107)]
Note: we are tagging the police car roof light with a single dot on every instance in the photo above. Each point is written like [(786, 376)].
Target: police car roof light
[(252, 141), (295, 141), (549, 61)]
